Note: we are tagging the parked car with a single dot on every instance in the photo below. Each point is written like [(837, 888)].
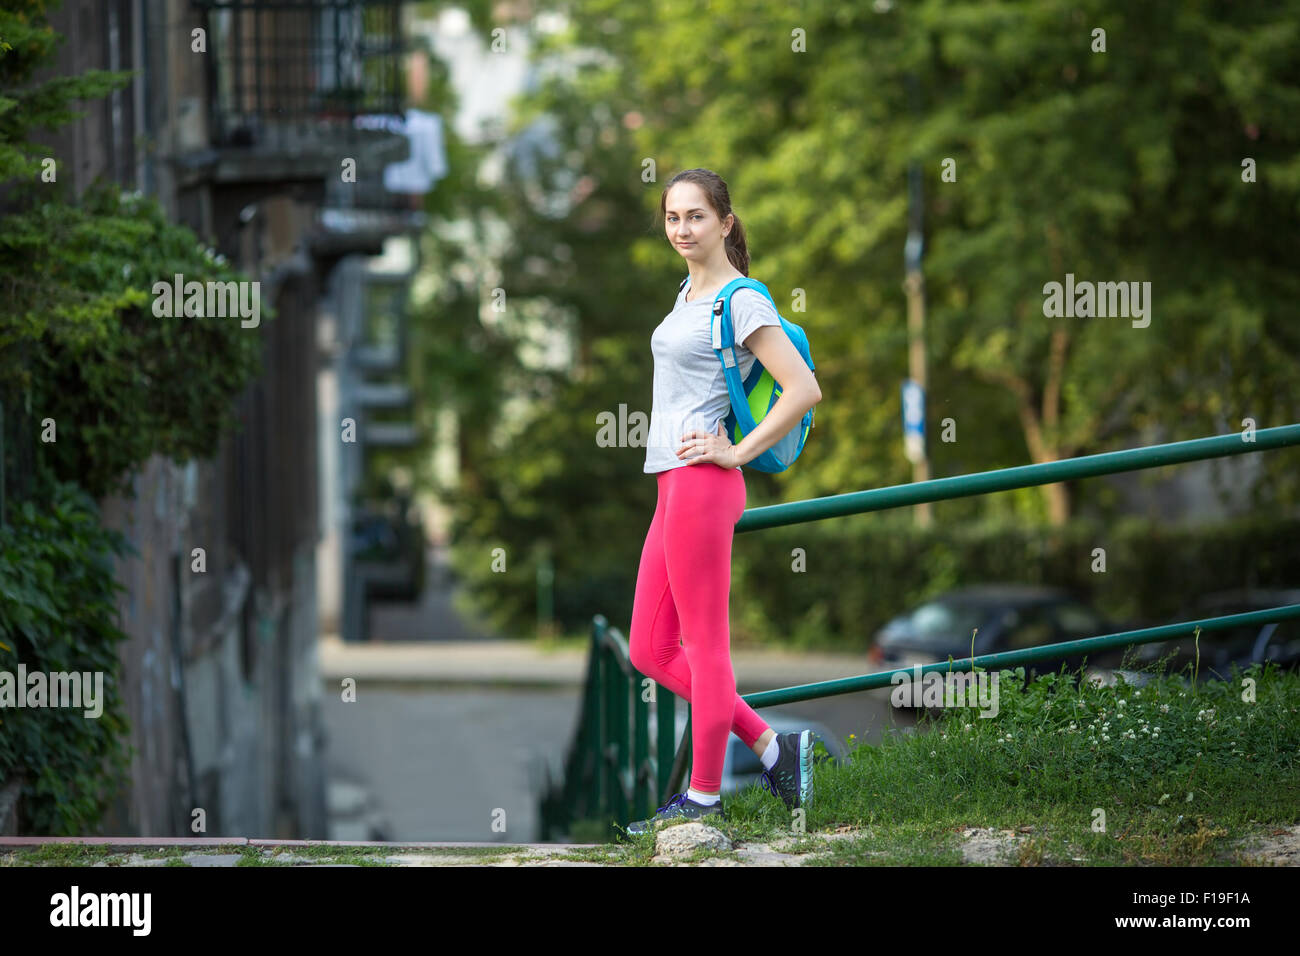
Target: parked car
[(1008, 617), (1278, 641), (741, 767)]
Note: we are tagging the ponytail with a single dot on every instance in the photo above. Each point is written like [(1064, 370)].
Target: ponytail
[(737, 250)]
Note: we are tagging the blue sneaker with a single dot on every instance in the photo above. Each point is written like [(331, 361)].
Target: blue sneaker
[(791, 776), (679, 807)]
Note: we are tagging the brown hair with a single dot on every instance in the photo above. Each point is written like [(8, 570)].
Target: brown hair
[(720, 199)]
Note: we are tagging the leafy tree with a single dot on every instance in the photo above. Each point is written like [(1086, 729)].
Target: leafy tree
[(1123, 165)]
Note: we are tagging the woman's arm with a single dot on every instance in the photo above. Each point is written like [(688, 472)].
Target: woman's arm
[(799, 390)]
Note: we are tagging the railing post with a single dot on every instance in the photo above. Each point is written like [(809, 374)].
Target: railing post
[(665, 741), (591, 737), (677, 774), (619, 750), (608, 768), (598, 716), (642, 783)]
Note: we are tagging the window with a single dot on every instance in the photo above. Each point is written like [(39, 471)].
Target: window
[(1077, 621), (1033, 629), (941, 620)]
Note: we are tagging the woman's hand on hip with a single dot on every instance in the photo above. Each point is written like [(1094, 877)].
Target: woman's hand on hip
[(702, 446)]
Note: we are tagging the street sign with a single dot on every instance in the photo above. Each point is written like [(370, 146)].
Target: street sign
[(913, 421)]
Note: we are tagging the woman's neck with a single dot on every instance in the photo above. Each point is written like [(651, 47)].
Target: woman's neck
[(710, 281)]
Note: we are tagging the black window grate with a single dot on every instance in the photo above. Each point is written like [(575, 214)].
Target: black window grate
[(281, 72)]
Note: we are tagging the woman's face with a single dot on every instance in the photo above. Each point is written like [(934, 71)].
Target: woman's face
[(691, 224)]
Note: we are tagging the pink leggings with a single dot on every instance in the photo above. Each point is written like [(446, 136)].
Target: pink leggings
[(683, 591)]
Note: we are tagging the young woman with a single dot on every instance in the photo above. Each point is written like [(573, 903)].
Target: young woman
[(683, 584)]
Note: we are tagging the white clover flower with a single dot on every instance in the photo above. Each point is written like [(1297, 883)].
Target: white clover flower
[(931, 753), (1104, 737), (1164, 708), (1120, 703)]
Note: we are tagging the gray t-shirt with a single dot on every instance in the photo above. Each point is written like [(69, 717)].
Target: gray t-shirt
[(690, 388)]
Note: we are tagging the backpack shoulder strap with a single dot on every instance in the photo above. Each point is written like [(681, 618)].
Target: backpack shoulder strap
[(723, 330)]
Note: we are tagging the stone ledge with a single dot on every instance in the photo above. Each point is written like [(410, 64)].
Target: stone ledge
[(134, 843)]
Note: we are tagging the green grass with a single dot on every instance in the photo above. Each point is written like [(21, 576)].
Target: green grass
[(76, 854), (1179, 771), (82, 855)]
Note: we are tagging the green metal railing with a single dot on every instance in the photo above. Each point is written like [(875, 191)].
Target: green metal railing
[(607, 774)]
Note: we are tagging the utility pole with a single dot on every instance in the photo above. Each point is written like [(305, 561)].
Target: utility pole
[(914, 388)]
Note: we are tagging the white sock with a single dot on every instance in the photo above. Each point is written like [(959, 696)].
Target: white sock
[(705, 799), (770, 754)]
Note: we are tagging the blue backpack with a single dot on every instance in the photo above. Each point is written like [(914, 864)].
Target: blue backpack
[(753, 397)]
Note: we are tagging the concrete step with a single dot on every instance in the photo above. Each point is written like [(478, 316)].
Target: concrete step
[(133, 844)]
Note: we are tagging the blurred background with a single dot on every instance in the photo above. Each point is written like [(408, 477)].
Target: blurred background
[(341, 566)]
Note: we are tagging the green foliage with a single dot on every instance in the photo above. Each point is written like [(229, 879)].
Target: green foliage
[(79, 342), (58, 614), (120, 382), (26, 42)]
